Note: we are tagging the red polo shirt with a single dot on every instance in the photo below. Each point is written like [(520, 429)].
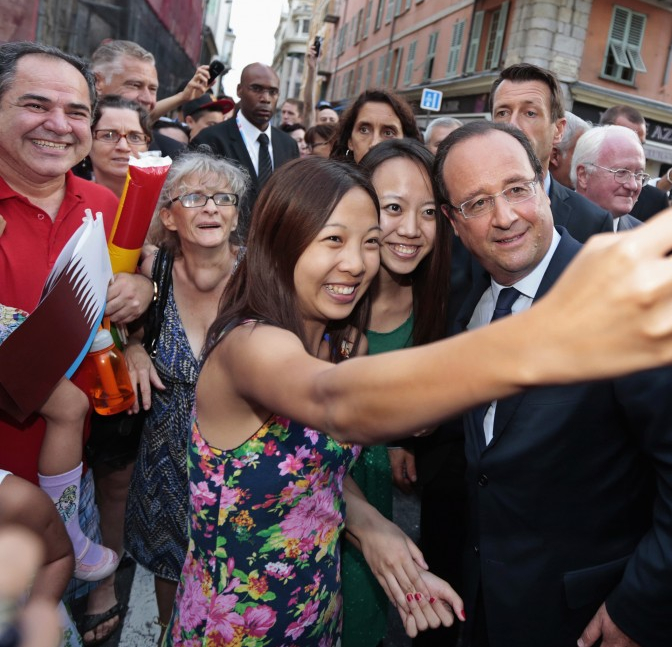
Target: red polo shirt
[(28, 250)]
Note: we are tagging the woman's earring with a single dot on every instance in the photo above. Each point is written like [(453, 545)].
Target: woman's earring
[(347, 152)]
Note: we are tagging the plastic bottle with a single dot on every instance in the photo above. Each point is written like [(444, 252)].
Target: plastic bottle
[(112, 390)]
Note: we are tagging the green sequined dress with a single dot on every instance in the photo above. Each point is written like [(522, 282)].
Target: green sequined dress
[(364, 601)]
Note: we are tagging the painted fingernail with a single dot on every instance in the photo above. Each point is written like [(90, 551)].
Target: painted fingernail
[(463, 614), (409, 597), (432, 600), (418, 596)]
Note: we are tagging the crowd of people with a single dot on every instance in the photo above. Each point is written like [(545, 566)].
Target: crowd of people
[(321, 313)]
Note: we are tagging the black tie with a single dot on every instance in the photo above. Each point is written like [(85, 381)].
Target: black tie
[(265, 166), (506, 298)]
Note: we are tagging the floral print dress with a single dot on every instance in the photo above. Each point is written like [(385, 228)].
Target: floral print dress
[(263, 563)]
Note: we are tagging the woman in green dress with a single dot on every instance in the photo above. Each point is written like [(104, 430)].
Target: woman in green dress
[(409, 299)]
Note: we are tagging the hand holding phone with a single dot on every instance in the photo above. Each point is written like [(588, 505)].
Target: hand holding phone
[(317, 45), (214, 70)]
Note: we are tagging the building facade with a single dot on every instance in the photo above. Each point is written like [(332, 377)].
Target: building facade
[(603, 52), (173, 30)]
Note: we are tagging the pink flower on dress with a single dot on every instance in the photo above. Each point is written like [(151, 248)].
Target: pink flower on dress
[(291, 491), (193, 606), (280, 571), (223, 617), (259, 620), (229, 497), (308, 616), (201, 495), (291, 465), (303, 452), (270, 447), (313, 515), (312, 435)]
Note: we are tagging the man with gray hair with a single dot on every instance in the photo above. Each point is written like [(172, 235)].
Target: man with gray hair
[(561, 155), (438, 130), (608, 168), (128, 69)]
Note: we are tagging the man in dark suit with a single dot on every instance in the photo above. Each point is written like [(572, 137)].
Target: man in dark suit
[(570, 531), (530, 98), (651, 200), (608, 168), (240, 139)]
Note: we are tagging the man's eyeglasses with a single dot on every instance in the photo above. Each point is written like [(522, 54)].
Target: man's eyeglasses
[(113, 136), (482, 205), (261, 89), (623, 175), (192, 200)]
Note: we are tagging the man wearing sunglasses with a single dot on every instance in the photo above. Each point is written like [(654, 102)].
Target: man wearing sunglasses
[(608, 168), (570, 487), (249, 139)]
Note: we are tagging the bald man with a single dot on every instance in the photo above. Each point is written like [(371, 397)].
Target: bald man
[(239, 139)]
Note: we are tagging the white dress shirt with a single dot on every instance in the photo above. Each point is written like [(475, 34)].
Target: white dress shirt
[(527, 287), (250, 133)]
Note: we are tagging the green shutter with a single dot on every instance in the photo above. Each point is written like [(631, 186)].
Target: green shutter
[(474, 42)]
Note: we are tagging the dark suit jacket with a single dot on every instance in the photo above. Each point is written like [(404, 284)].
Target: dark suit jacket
[(628, 222), (651, 200), (225, 139), (571, 505), (578, 215)]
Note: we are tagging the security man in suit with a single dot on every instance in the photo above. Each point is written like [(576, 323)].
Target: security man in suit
[(608, 168), (249, 139), (570, 488)]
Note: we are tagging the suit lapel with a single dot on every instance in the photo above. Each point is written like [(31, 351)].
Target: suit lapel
[(564, 253), (278, 149), (240, 149)]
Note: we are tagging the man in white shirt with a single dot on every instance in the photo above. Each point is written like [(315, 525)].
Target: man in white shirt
[(570, 487), (249, 139)]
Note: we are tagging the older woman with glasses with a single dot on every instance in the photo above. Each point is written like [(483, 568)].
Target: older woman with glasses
[(120, 130), (195, 221)]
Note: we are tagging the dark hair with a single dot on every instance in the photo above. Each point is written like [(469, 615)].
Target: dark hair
[(478, 129), (117, 101), (325, 131), (290, 128), (285, 220), (347, 123), (522, 72), (431, 278), (610, 116), (297, 103), (168, 122), (10, 53)]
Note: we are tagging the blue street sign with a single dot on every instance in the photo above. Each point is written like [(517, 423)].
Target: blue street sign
[(431, 100)]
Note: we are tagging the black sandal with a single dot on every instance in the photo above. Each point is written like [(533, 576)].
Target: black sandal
[(90, 622)]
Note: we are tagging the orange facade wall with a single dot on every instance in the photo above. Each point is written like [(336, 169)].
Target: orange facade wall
[(655, 50)]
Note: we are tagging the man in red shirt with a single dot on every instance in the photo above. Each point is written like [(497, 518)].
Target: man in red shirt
[(46, 102)]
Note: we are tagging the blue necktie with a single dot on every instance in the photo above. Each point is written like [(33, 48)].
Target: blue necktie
[(507, 297), (505, 300)]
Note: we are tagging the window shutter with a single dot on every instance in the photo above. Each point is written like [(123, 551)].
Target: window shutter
[(499, 36), (634, 41), (455, 47), (474, 41), (408, 74)]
